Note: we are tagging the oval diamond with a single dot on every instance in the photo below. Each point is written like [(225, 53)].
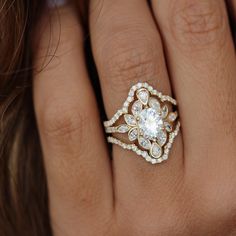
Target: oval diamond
[(150, 123), (145, 143)]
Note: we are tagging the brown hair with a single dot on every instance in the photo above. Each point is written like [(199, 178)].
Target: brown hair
[(23, 190), (23, 187)]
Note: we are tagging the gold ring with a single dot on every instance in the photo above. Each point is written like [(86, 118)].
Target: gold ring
[(148, 121)]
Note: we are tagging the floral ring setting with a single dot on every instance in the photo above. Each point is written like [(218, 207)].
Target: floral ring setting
[(149, 122)]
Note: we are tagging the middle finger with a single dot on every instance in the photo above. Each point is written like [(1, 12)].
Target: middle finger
[(127, 49)]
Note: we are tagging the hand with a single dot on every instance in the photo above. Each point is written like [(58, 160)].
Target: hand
[(184, 49)]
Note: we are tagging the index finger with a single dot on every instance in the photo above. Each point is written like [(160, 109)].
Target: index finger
[(75, 156)]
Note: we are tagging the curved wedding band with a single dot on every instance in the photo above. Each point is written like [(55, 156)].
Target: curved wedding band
[(147, 123)]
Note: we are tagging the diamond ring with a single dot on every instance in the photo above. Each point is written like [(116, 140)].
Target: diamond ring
[(147, 122)]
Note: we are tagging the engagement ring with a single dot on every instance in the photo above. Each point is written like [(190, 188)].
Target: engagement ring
[(146, 124)]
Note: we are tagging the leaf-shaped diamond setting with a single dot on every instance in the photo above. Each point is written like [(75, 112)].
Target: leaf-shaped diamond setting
[(156, 150), (144, 143), (143, 96), (136, 108), (161, 137), (123, 128), (168, 126), (164, 111), (133, 134), (130, 119)]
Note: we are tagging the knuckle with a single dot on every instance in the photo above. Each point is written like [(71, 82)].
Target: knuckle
[(61, 120), (126, 64), (198, 23)]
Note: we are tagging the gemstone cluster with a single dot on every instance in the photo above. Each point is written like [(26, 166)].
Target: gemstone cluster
[(150, 125)]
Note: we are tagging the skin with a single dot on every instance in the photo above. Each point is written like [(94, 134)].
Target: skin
[(183, 48)]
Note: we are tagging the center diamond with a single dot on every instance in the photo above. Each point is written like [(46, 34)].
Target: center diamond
[(150, 123)]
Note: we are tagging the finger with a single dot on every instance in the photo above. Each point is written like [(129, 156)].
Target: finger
[(201, 59), (76, 161), (127, 49)]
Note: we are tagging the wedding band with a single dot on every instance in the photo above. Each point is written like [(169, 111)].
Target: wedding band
[(147, 123)]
